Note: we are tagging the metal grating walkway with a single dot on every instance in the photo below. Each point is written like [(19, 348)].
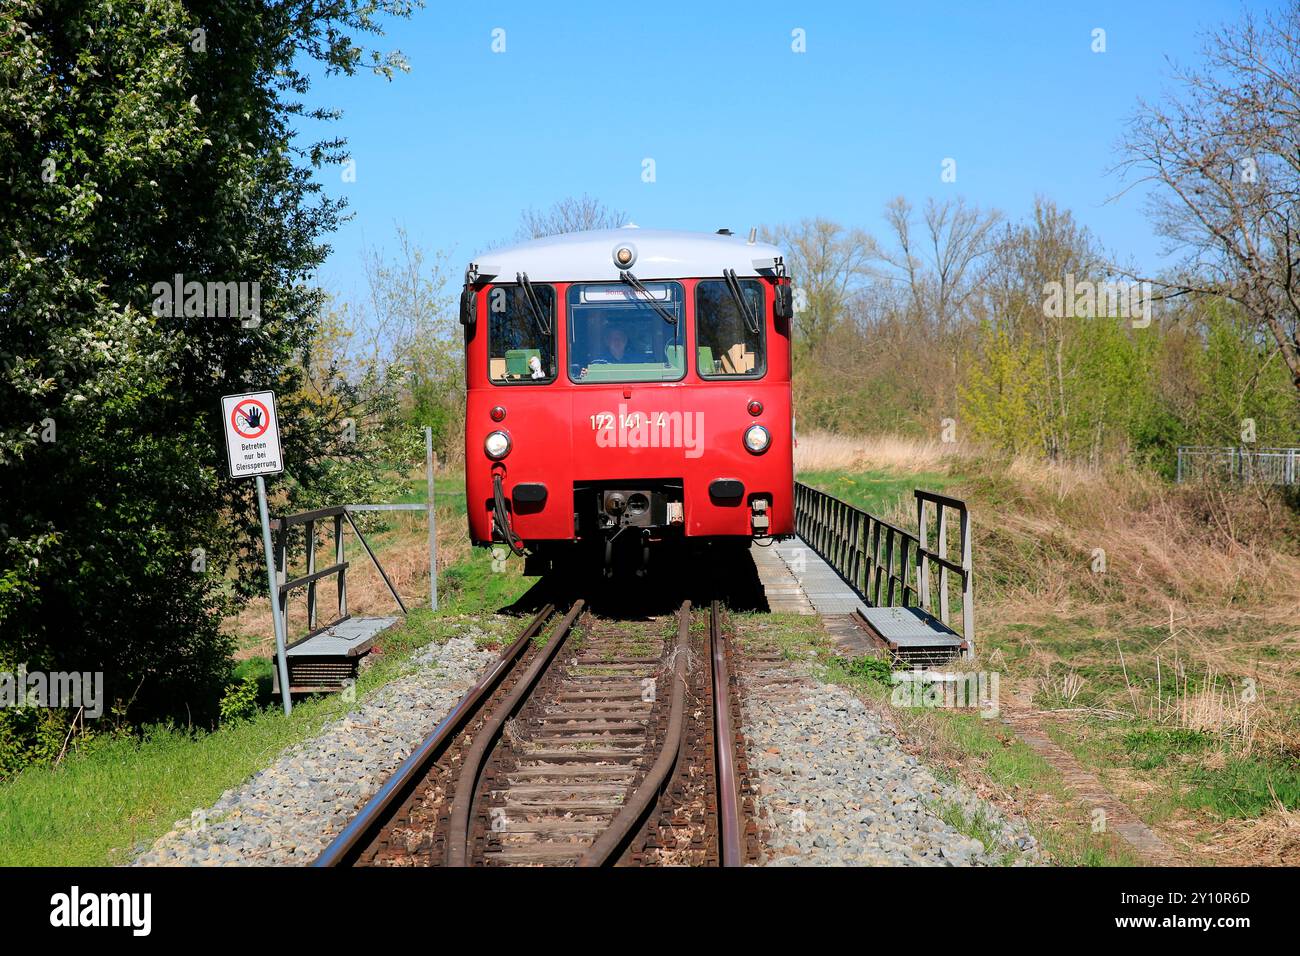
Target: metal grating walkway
[(349, 638), (325, 662), (796, 580), (908, 627)]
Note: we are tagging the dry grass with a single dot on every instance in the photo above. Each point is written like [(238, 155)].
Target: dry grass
[(822, 451), (1213, 706), (1208, 702), (1193, 551), (1215, 569), (1270, 840), (1063, 688)]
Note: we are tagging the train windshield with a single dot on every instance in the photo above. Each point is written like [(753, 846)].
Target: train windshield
[(521, 334), (615, 334), (725, 345)]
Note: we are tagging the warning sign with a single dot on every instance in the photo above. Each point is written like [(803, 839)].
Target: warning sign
[(252, 434)]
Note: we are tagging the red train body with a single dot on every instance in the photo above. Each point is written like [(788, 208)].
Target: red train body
[(628, 386)]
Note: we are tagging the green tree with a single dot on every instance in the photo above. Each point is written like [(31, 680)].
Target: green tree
[(997, 399), (140, 142)]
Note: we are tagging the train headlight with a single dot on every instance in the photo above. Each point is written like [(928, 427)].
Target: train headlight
[(497, 445), (757, 439)]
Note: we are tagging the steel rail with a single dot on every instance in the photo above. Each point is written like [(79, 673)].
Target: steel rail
[(458, 849), (724, 746), (361, 831), (611, 841)]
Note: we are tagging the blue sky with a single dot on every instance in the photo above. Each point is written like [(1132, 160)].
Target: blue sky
[(743, 130)]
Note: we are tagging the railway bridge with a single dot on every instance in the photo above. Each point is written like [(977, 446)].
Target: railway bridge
[(880, 586)]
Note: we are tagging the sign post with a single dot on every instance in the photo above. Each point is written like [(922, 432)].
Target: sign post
[(433, 537), (253, 450)]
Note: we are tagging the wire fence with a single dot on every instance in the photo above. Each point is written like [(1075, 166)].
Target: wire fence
[(1267, 466)]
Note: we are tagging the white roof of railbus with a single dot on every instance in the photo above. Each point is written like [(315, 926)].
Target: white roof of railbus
[(660, 254)]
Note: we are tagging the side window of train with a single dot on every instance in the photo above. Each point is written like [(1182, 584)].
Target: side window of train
[(521, 335), (726, 344)]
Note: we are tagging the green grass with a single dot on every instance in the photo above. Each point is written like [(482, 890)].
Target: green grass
[(1244, 788), (446, 489), (1151, 747), (94, 810), (1013, 766), (977, 826), (877, 491), (1160, 770), (97, 808)]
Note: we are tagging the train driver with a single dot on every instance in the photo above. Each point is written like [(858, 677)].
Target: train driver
[(615, 342), (613, 349)]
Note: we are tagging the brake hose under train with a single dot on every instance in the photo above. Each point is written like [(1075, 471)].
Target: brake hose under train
[(501, 517)]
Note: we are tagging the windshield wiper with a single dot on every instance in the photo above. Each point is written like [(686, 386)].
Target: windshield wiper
[(534, 304), (733, 286), (635, 283)]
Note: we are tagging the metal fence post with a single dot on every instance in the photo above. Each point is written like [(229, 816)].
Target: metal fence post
[(277, 618), (941, 548), (433, 535), (923, 539), (311, 569), (340, 554), (967, 585)]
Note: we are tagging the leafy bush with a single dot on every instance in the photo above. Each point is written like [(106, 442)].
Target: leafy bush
[(240, 701)]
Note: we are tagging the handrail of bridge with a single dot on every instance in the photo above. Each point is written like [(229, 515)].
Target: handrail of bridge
[(889, 566), (339, 513)]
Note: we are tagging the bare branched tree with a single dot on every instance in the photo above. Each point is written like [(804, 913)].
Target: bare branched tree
[(827, 262), (407, 303), (942, 270), (571, 214), (1224, 153)]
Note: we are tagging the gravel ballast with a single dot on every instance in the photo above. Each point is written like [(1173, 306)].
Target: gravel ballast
[(289, 812), (833, 784), (836, 788)]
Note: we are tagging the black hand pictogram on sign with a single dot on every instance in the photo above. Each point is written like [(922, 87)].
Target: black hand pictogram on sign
[(250, 419)]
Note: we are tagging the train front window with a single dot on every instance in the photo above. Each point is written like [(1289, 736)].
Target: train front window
[(615, 334), (725, 344), (521, 335)]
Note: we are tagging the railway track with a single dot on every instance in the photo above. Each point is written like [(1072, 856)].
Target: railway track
[(591, 741)]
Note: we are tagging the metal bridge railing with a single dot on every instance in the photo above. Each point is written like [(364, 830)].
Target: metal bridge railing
[(1268, 466), (889, 566), (309, 519)]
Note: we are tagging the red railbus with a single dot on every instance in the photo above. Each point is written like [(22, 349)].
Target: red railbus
[(627, 390)]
